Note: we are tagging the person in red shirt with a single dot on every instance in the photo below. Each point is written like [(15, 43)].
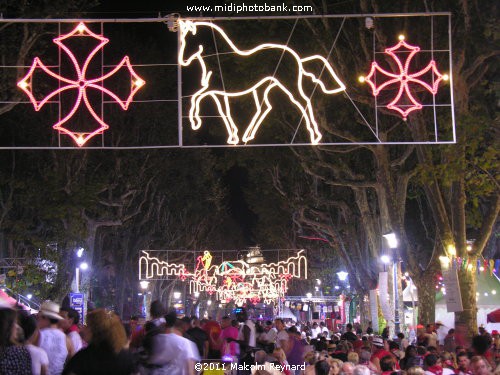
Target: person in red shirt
[(213, 330), (380, 351)]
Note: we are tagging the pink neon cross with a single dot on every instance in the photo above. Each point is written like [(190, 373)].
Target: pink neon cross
[(404, 78), (82, 83)]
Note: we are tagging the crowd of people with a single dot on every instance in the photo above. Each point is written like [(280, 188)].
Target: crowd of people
[(54, 342)]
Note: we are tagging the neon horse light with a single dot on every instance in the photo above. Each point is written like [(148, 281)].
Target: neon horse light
[(259, 90)]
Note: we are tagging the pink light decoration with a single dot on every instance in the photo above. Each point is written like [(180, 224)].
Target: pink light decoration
[(403, 78), (230, 280), (81, 84)]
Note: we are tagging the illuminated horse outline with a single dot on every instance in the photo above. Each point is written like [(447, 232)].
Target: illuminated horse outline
[(262, 104)]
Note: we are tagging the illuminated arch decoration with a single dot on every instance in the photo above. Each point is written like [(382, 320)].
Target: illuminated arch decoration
[(259, 90), (403, 78), (81, 84), (231, 280)]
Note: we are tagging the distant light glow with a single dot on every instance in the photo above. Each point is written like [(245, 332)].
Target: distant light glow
[(392, 240), (385, 259), (79, 252), (144, 284), (403, 78), (260, 90), (84, 266), (342, 275), (29, 296), (81, 84)]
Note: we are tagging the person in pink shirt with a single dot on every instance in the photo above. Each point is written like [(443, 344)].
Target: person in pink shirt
[(229, 349)]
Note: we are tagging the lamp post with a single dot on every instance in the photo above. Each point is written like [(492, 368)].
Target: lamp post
[(392, 241), (309, 312), (144, 286), (83, 266)]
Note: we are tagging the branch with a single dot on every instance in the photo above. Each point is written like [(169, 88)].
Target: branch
[(487, 226)]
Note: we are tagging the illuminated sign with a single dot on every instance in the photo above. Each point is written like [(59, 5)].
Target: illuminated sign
[(403, 79), (259, 89), (81, 84), (230, 280)]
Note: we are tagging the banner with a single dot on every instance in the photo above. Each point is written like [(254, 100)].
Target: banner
[(374, 307), (384, 297), (453, 297)]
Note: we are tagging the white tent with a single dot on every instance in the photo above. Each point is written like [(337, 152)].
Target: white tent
[(286, 313), (488, 300), (487, 297)]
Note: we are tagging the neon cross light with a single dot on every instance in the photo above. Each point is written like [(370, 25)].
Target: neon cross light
[(259, 89), (403, 78), (81, 84)]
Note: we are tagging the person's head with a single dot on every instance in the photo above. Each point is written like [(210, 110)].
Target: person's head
[(431, 360), (410, 351), (482, 330), (279, 354), (106, 330), (235, 323), (432, 349), (421, 350), (378, 342), (260, 357), (429, 328), (69, 316), (415, 370), (7, 327), (361, 370), (387, 363), (401, 335), (463, 361), (335, 365), (447, 359), (348, 327), (279, 324), (479, 366), (310, 358), (28, 324), (322, 368), (353, 357), (347, 368), (185, 324), (156, 309), (451, 331), (170, 319), (460, 349), (242, 316), (48, 315), (364, 356), (225, 322), (480, 344)]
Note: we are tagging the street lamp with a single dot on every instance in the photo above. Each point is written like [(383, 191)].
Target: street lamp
[(83, 266), (144, 286), (392, 241)]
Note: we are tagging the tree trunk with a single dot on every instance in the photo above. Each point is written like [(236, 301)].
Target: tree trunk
[(467, 319), (426, 298)]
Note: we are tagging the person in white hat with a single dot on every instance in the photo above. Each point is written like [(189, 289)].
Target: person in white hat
[(55, 343)]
